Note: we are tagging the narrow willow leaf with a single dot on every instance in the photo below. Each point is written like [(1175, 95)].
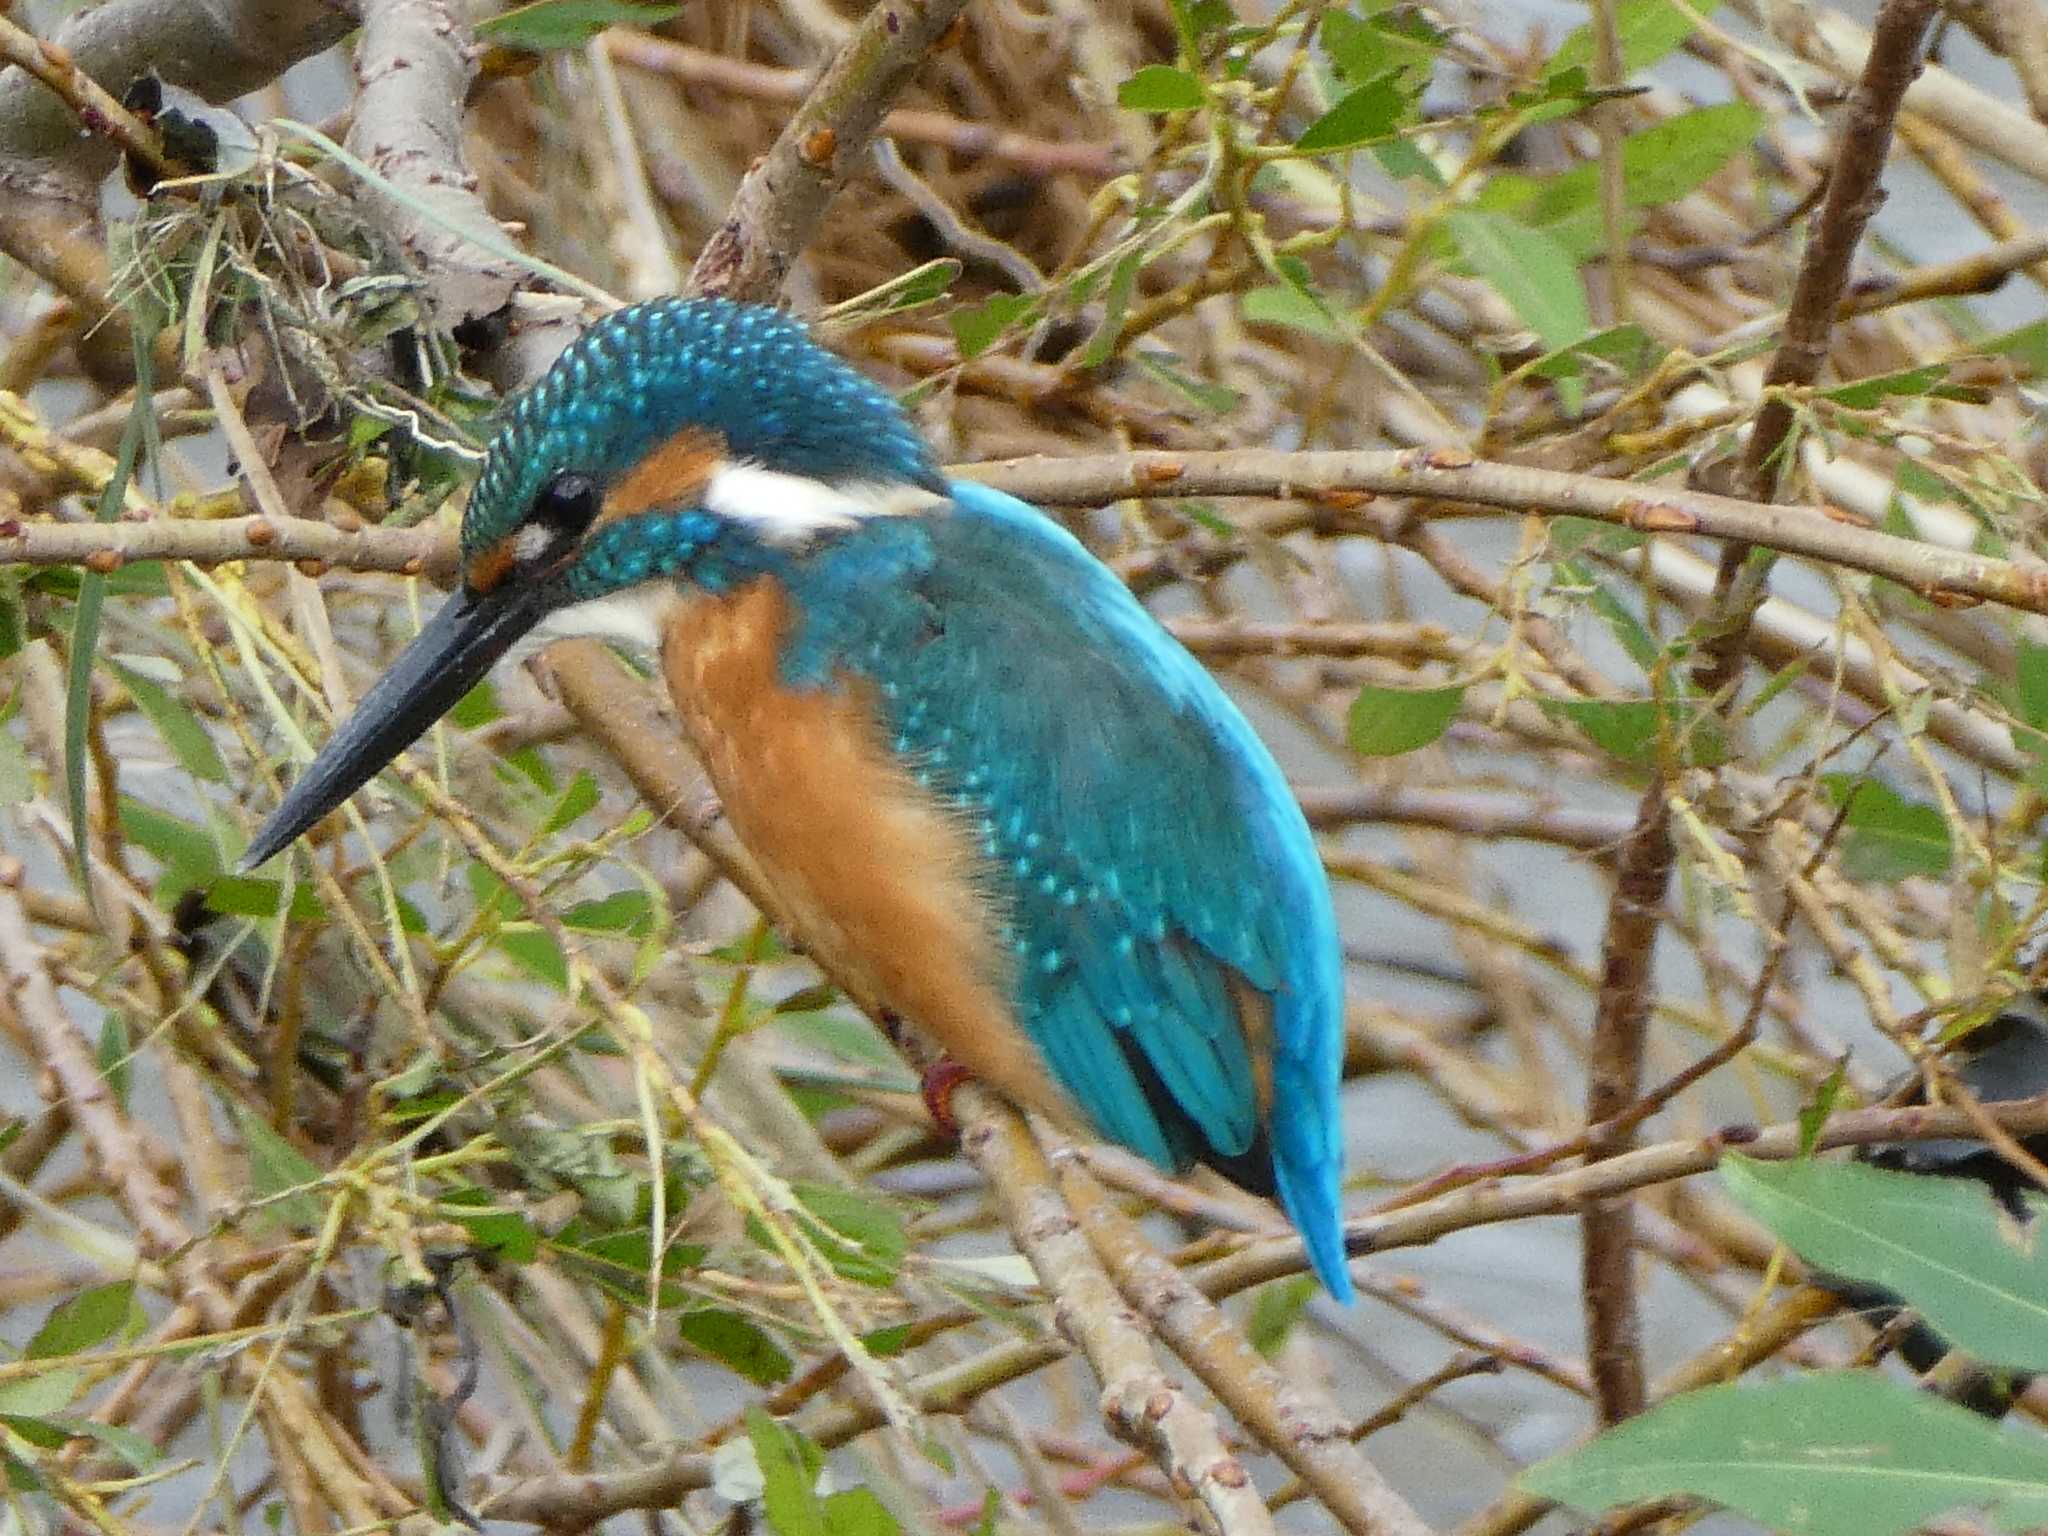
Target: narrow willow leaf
[(1529, 269), (550, 24), (977, 329), (1386, 722), (85, 620), (1838, 1453), (176, 722), (1943, 1245), (114, 1057)]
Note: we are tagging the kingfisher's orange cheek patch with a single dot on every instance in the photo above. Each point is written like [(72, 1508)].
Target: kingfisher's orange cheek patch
[(491, 566), (673, 474)]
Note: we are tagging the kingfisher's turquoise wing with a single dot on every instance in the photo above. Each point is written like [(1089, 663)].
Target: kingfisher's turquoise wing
[(1176, 959)]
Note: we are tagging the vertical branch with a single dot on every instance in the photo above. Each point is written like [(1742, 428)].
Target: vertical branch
[(1614, 1072), (1614, 1068), (1854, 194)]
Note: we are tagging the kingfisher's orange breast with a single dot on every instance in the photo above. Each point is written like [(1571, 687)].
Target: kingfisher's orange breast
[(876, 878)]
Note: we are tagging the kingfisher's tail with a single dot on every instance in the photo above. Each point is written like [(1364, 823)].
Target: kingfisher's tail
[(1308, 1141)]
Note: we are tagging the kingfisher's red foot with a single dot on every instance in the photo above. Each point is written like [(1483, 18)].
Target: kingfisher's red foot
[(942, 1079)]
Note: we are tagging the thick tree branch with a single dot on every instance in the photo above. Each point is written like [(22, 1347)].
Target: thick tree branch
[(414, 66)]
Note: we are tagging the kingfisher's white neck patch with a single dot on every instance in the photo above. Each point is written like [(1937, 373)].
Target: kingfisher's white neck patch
[(792, 509), (632, 618)]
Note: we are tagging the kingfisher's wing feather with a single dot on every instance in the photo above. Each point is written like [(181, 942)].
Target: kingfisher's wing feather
[(1156, 874)]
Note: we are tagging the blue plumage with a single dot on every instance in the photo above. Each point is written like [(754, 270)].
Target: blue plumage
[(1147, 851)]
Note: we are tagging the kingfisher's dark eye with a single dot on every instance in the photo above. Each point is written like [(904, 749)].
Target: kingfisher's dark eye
[(568, 504)]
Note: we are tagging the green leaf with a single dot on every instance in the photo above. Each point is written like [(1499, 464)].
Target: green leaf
[(1365, 49), (875, 1241), (13, 631), (1579, 582), (619, 1262), (188, 854), (790, 1463), (1885, 836), (1276, 1308), (1160, 88), (46, 1392), (118, 1438), (578, 799), (627, 912), (1529, 269), (2033, 679), (737, 1343), (2027, 346), (1669, 159), (1646, 29), (549, 24), (43, 1433), (1834, 1453), (1196, 19), (858, 1512), (977, 329), (90, 1318), (1116, 303), (1638, 730), (250, 896), (509, 1234), (1942, 1244), (1862, 394), (478, 707), (1285, 304), (884, 1342), (535, 951), (17, 779), (1386, 722), (276, 1166), (1661, 164), (1214, 398), (1813, 1114), (176, 723), (1371, 112), (1629, 348), (113, 1057)]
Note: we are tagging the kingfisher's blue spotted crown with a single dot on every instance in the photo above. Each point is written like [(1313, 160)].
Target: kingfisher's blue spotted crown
[(752, 376)]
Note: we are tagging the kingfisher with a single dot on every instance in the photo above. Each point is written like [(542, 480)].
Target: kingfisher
[(978, 777)]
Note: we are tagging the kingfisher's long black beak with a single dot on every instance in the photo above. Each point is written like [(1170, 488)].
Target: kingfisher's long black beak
[(447, 659)]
